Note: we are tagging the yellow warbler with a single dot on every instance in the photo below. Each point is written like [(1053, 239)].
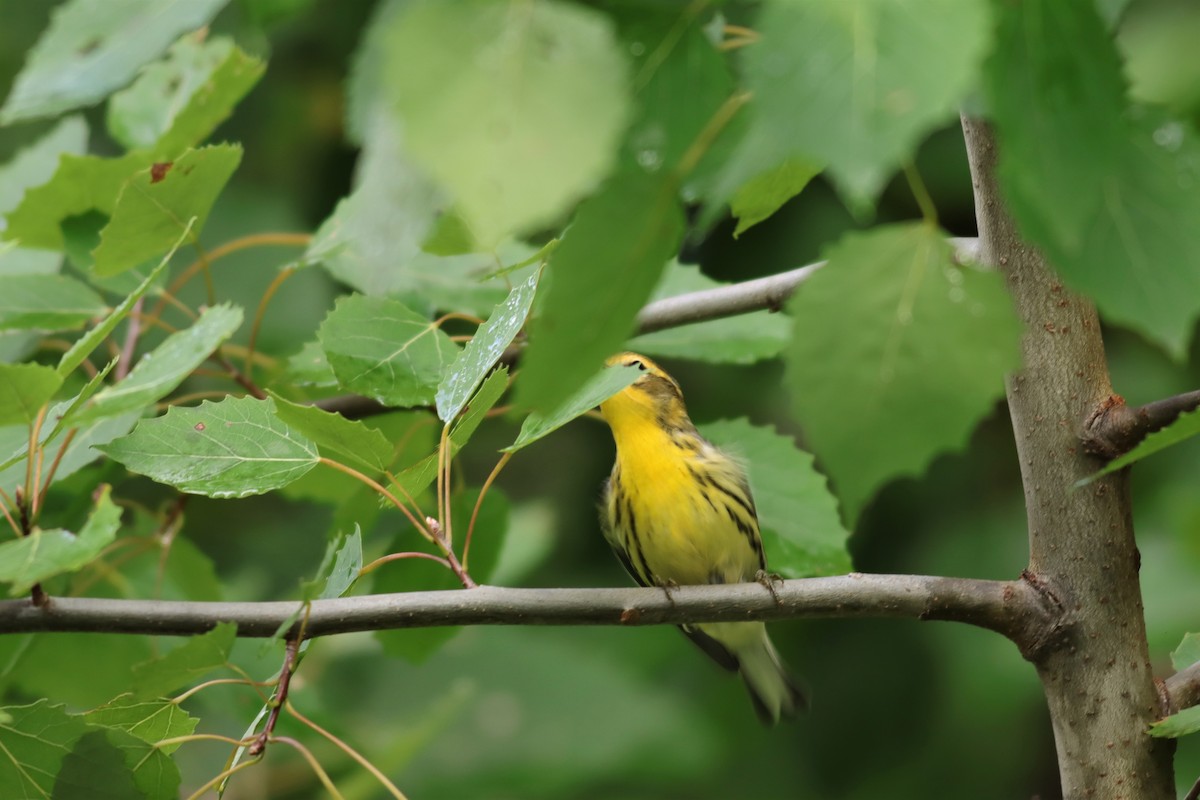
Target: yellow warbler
[(678, 511)]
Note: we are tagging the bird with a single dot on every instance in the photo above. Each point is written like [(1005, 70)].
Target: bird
[(678, 511)]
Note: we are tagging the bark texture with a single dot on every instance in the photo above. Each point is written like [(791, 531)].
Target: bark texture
[(1096, 670)]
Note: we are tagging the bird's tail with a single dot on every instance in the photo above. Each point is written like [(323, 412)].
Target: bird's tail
[(746, 647)]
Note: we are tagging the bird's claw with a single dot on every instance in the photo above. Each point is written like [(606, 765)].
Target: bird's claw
[(769, 580), (669, 586)]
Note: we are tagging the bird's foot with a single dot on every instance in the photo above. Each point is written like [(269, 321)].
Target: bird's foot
[(668, 587), (769, 581)]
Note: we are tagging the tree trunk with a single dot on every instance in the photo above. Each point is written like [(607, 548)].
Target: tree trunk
[(1095, 670)]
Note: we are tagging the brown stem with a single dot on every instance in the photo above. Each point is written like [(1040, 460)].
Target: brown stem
[(277, 701), (1095, 670), (1114, 428), (1182, 689)]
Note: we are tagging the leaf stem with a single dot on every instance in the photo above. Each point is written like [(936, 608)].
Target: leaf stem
[(348, 750), (920, 193), (379, 562), (487, 484), (283, 275)]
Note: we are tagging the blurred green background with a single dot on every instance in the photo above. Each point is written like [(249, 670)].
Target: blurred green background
[(900, 709)]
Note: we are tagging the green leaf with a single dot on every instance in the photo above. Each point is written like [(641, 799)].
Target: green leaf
[(414, 574), (601, 387), (310, 367), (339, 569), (46, 553), (419, 476), (599, 277), (1183, 428), (50, 753), (764, 194), (1188, 652), (484, 350), (155, 206), (234, 448), (374, 234), (177, 102), (1176, 725), (80, 185), (680, 80), (84, 345), (94, 47), (1110, 196), (359, 446), (856, 85), (161, 371), (537, 106), (380, 348), (923, 345), (47, 303), (24, 389), (149, 720), (186, 664), (802, 532), (36, 163), (742, 339)]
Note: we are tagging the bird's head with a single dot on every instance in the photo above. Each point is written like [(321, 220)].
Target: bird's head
[(654, 396)]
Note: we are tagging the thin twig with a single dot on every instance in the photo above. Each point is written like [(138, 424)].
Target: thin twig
[(280, 697)]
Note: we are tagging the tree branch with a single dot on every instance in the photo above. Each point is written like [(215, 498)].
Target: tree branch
[(1013, 608), (1183, 689), (1114, 428)]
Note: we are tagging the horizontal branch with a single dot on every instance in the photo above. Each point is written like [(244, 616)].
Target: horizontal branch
[(1012, 608), (1183, 689), (1115, 428)]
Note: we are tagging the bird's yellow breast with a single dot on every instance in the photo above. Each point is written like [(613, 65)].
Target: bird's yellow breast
[(678, 527)]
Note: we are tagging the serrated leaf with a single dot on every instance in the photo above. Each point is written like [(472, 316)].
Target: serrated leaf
[(599, 277), (234, 448), (538, 105), (46, 553), (84, 345), (485, 348), (94, 47), (419, 476), (51, 753), (175, 103), (155, 206), (47, 303), (1108, 194), (1183, 428), (36, 163), (360, 446), (802, 531), (414, 574), (765, 193), (1187, 653), (856, 85), (742, 339), (80, 185), (1176, 725), (161, 371), (24, 389), (339, 568), (924, 345), (186, 664), (601, 387), (149, 720), (380, 348)]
